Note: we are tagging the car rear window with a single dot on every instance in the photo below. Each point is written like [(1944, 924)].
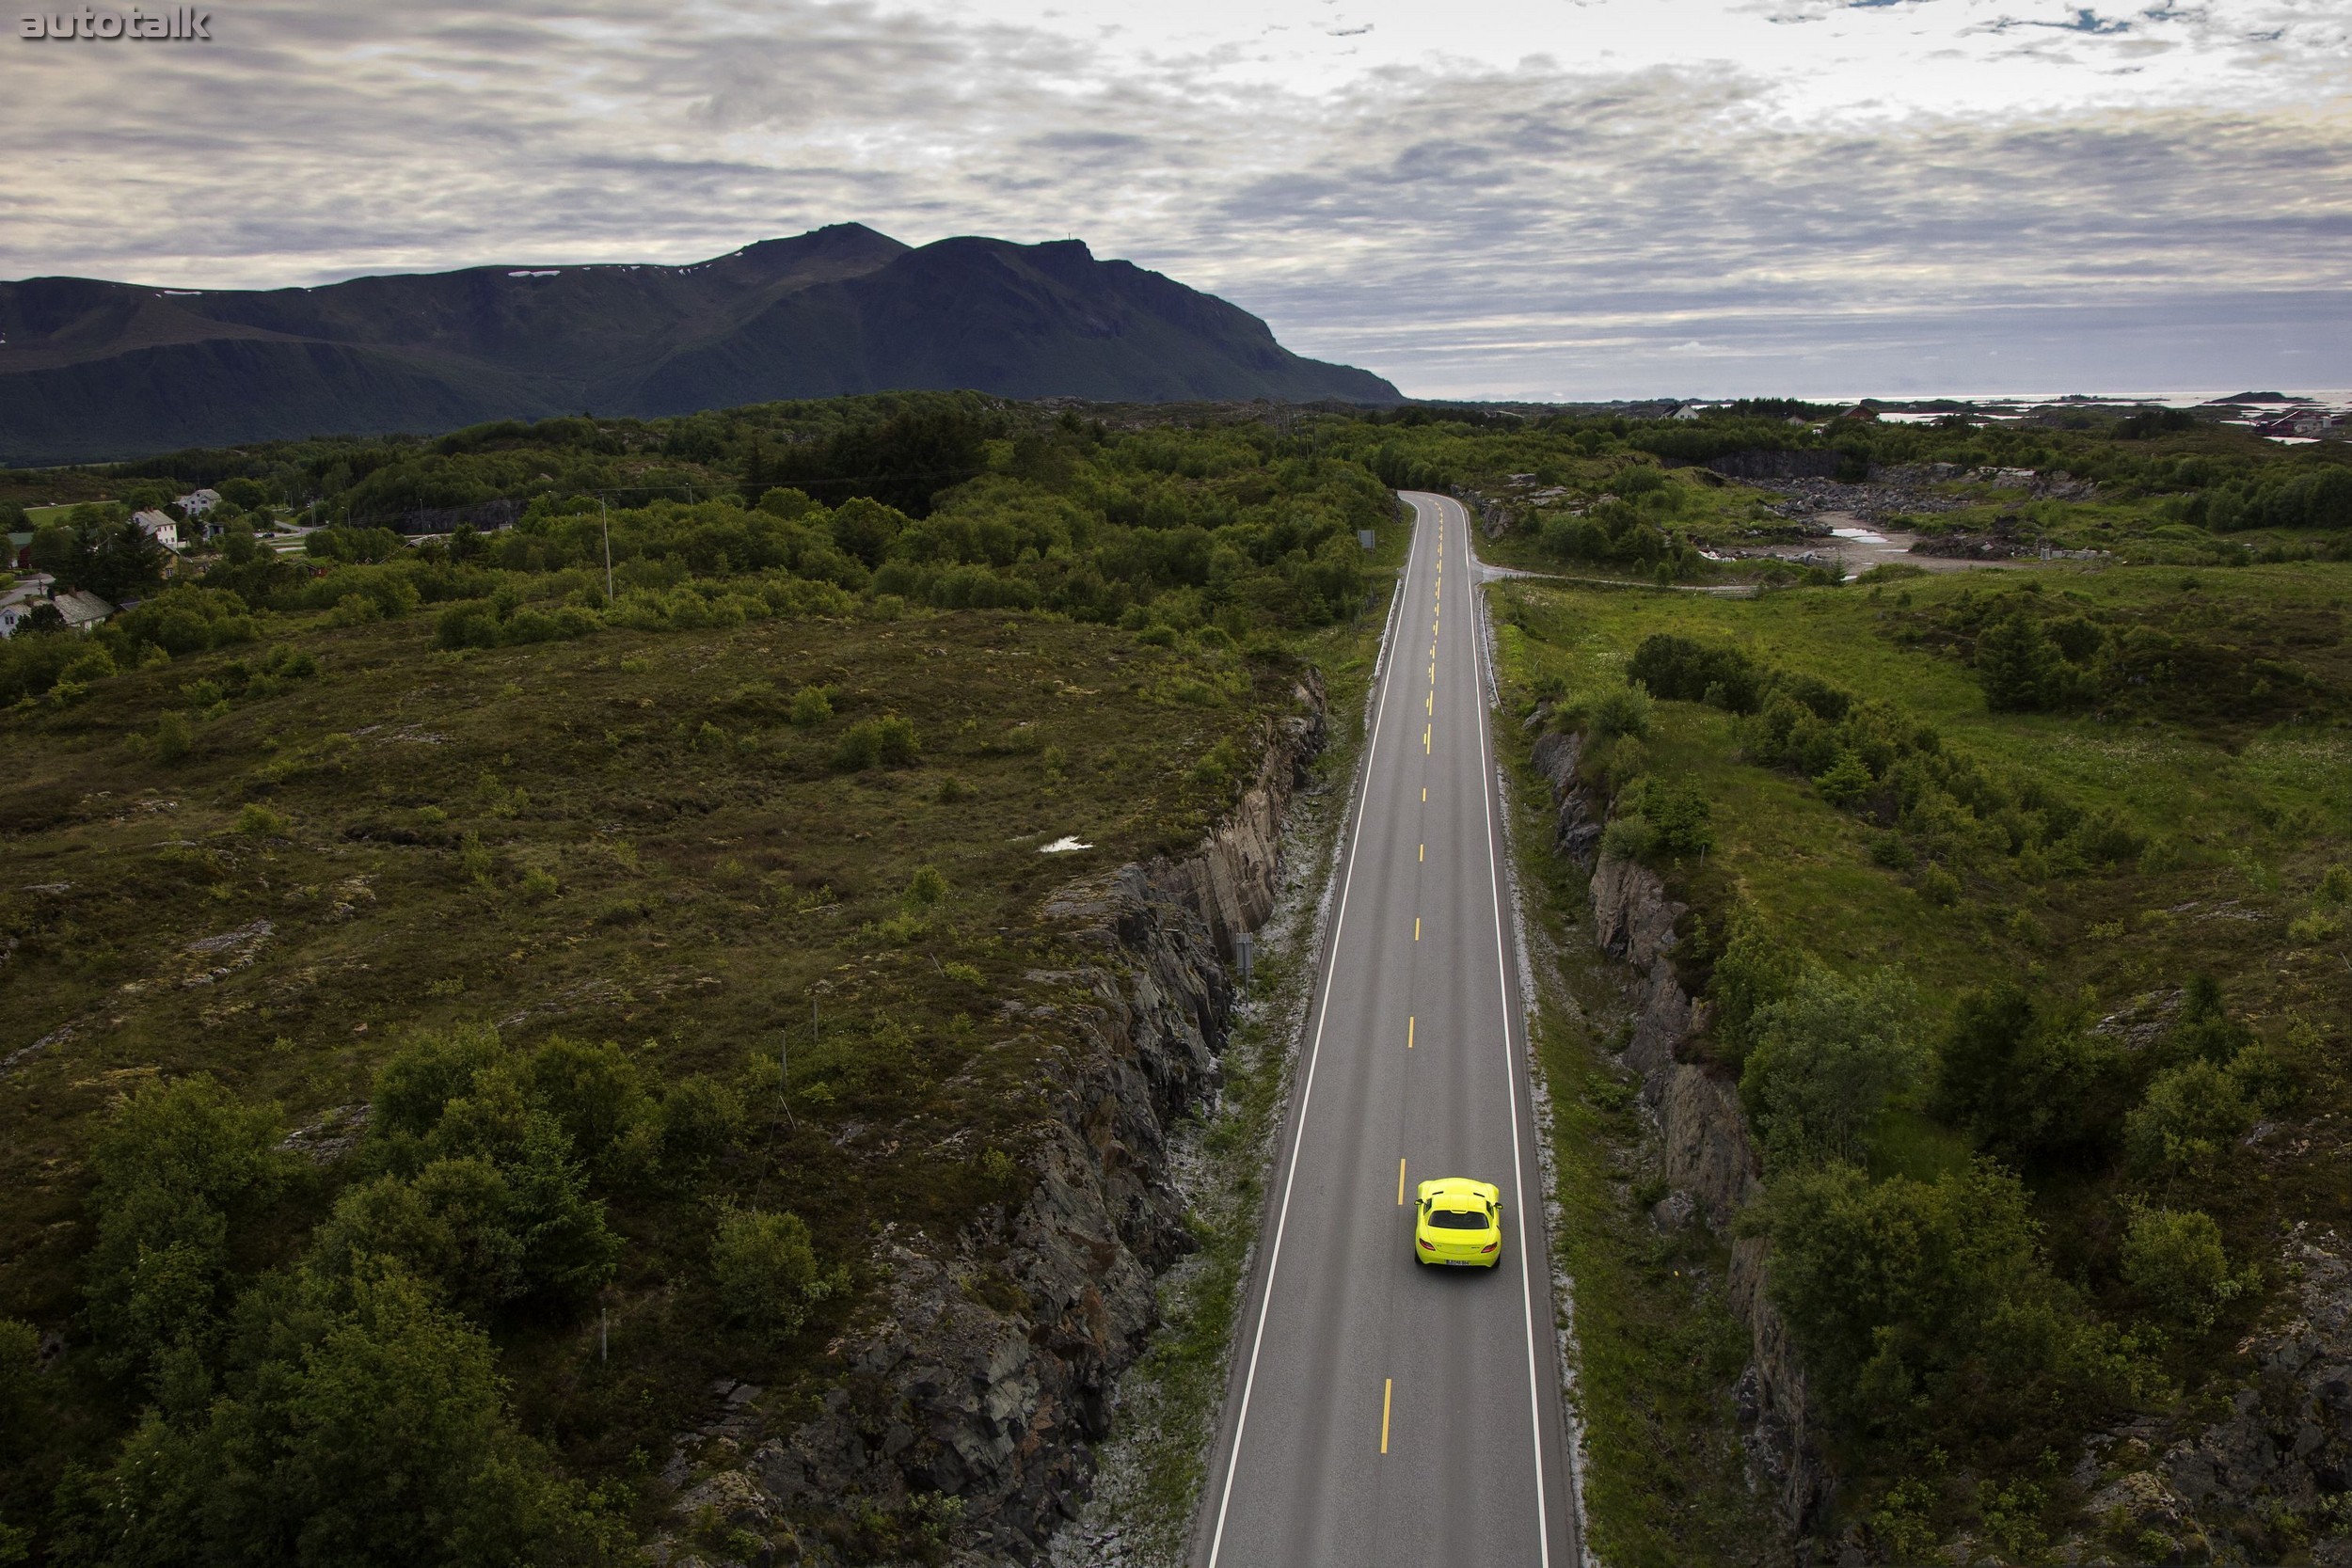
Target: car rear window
[(1458, 1219)]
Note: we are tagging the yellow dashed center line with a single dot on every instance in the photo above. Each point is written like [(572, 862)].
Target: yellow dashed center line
[(1416, 928), (1400, 1182), (1387, 1391), (1423, 856), (1409, 1034)]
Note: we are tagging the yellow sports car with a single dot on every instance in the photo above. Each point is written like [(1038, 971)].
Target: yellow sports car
[(1459, 1223)]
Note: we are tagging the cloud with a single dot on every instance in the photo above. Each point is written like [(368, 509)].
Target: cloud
[(1524, 225)]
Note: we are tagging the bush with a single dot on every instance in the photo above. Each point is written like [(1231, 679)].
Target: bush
[(174, 735), (20, 1352), (1847, 782), (1620, 710), (2017, 665), (416, 1084), (766, 1269), (811, 706), (2174, 1261), (452, 1227), (1755, 971), (1682, 670), (372, 1427), (925, 889), (178, 1165), (1681, 819), (1829, 1057), (888, 741), (1926, 1310), (2024, 1080), (2186, 1120), (702, 1118), (258, 822)]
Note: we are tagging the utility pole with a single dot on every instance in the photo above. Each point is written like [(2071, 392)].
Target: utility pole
[(605, 514)]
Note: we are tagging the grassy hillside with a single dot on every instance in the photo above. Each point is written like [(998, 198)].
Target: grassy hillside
[(2047, 968)]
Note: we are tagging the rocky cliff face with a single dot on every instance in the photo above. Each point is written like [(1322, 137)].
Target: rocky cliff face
[(992, 1398), (1710, 1166)]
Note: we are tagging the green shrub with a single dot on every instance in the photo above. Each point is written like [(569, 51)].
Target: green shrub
[(1926, 1311), (1847, 782), (2334, 890), (1683, 670), (20, 1352), (1620, 710), (1830, 1055), (1755, 971), (174, 735), (2025, 1080), (258, 822), (702, 1117), (453, 1226), (180, 1167), (2186, 1120), (925, 889), (2174, 1261), (369, 1416), (1679, 819), (888, 741), (765, 1270), (811, 705), (2203, 1028), (1937, 885), (2017, 665), (419, 1081)]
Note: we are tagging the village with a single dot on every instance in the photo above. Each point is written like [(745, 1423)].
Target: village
[(182, 531)]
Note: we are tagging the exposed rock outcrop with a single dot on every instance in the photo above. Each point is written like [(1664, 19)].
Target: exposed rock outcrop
[(2284, 1451), (1707, 1151), (990, 1396)]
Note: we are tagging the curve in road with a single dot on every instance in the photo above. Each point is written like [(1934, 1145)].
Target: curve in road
[(1383, 1413)]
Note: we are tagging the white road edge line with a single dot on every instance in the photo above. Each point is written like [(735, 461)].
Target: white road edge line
[(1510, 1078), (1307, 1089)]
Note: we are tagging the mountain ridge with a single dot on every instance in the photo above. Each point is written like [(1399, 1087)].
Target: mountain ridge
[(93, 369)]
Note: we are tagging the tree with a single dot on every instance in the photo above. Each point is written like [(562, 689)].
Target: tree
[(766, 1269), (2188, 1119), (1755, 971), (177, 1165), (1828, 1058), (2017, 665), (2025, 1080), (1926, 1310), (368, 1432), (2174, 1261)]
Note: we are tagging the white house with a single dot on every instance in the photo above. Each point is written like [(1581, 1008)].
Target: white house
[(159, 526), (82, 609), (198, 502)]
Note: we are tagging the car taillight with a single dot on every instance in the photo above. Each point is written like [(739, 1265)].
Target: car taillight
[(1428, 1245), (1490, 1246)]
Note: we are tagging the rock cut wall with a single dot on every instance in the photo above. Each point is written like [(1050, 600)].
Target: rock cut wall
[(1711, 1163), (994, 1397)]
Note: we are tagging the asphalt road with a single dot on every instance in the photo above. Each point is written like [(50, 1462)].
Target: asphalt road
[(1381, 1413)]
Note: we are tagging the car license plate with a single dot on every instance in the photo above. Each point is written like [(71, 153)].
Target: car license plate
[(1461, 1262)]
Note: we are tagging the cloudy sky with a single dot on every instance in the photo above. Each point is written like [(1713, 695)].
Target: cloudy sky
[(1537, 198)]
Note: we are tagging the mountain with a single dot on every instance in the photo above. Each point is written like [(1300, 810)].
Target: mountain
[(92, 369)]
